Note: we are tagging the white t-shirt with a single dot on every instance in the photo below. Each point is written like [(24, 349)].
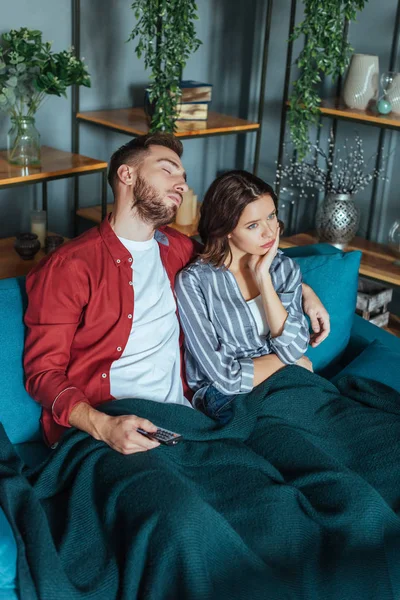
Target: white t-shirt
[(257, 310), (149, 367)]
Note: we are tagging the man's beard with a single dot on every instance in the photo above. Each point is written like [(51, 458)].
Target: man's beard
[(150, 206)]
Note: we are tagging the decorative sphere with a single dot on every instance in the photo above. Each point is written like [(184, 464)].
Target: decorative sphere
[(384, 107)]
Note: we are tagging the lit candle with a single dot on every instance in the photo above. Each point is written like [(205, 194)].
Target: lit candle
[(194, 208), (184, 216), (38, 225)]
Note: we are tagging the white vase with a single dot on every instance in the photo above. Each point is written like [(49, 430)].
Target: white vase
[(362, 81), (393, 94)]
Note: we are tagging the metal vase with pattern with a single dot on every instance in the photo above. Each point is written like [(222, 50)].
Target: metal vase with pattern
[(337, 220)]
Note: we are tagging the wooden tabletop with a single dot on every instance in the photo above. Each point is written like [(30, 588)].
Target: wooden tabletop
[(134, 121), (11, 264), (336, 108), (54, 163), (377, 260)]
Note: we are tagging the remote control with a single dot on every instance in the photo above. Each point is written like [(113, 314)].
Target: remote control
[(169, 438)]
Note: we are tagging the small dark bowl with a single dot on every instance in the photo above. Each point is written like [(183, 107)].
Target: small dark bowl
[(27, 245), (52, 242)]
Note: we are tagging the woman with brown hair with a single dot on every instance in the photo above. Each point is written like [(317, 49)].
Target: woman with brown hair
[(240, 302)]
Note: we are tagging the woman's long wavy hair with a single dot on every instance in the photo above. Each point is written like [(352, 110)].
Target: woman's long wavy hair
[(223, 204)]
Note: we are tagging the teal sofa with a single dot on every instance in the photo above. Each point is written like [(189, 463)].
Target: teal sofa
[(354, 346)]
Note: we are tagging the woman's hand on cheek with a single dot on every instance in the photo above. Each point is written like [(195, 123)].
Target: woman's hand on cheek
[(260, 265)]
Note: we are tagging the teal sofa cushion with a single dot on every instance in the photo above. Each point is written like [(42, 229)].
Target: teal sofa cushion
[(363, 333), (377, 362), (19, 414), (333, 275), (8, 559)]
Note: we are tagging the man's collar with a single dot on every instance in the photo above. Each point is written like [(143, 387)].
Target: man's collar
[(160, 237)]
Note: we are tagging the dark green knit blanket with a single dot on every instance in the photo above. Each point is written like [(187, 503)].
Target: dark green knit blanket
[(297, 498)]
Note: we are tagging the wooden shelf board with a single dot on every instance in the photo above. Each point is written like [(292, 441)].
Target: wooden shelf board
[(394, 325), (11, 264), (377, 260), (93, 213), (55, 164), (337, 109), (133, 121)]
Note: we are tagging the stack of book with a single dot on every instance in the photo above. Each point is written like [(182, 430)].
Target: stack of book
[(196, 97)]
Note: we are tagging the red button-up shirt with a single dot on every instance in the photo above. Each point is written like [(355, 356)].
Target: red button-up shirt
[(79, 317)]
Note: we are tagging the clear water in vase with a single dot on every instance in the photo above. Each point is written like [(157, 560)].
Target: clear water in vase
[(23, 142)]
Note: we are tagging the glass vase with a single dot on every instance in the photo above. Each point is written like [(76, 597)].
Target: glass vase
[(23, 142)]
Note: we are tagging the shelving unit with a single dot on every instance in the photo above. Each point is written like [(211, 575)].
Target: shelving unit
[(377, 261), (133, 122), (335, 109), (55, 164)]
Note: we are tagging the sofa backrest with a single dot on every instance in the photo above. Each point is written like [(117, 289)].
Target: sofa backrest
[(331, 273), (19, 414)]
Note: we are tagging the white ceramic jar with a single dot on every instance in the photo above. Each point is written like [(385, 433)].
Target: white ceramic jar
[(362, 81)]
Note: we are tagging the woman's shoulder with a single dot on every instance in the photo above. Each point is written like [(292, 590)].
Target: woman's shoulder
[(199, 266), (198, 270)]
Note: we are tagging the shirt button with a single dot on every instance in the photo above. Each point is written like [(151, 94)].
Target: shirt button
[(129, 259), (129, 316), (131, 283), (118, 261), (119, 348), (104, 375)]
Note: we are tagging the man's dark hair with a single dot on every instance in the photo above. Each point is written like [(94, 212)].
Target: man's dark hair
[(223, 204), (134, 151)]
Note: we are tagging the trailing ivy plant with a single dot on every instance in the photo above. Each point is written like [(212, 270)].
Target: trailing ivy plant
[(166, 37), (325, 52)]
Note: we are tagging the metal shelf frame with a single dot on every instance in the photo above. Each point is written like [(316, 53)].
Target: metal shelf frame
[(75, 134), (383, 128)]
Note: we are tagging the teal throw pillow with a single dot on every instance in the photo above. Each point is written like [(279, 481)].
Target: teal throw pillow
[(377, 362), (19, 414), (333, 275)]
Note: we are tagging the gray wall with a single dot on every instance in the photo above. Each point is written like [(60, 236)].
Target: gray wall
[(230, 58)]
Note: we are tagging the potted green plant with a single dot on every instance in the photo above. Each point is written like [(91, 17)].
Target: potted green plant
[(166, 37), (325, 52), (30, 71)]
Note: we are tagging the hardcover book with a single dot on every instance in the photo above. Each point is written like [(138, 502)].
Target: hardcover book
[(195, 91), (195, 111)]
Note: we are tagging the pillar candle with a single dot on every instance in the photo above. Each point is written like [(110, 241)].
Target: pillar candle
[(194, 208), (184, 216), (38, 225)]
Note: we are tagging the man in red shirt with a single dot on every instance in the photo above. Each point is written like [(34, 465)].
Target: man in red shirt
[(101, 317)]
